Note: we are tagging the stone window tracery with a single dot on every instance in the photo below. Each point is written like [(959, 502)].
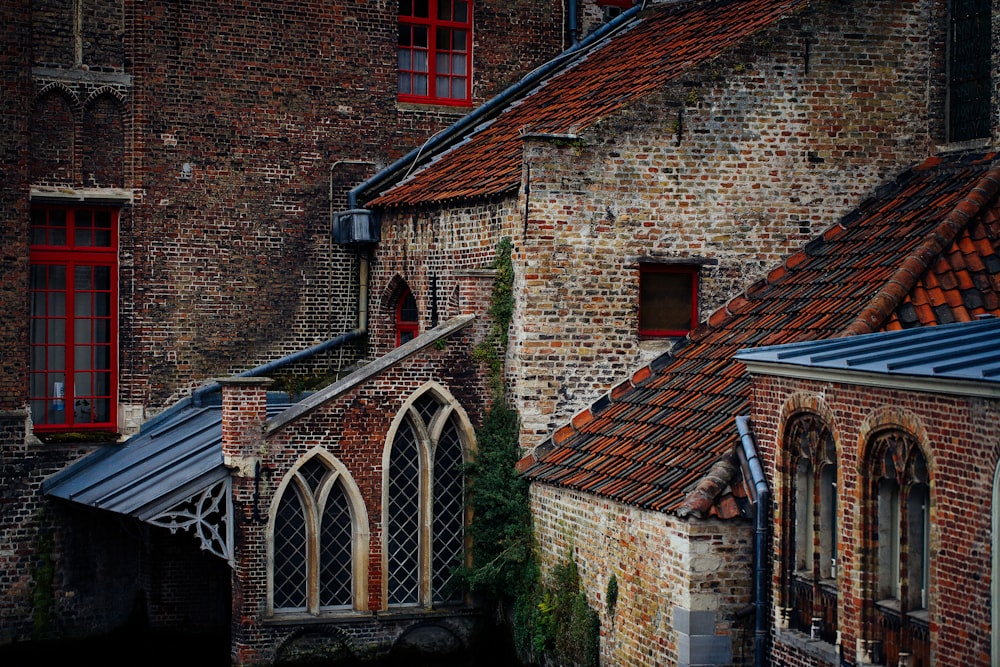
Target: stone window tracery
[(811, 541), (425, 501), (319, 541)]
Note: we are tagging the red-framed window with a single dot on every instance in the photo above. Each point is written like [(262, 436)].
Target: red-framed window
[(668, 300), (435, 51), (407, 318), (74, 318)]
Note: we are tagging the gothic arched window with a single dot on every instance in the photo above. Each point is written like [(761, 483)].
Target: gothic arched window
[(319, 544), (425, 501)]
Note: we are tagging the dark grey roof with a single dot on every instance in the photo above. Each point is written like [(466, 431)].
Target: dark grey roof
[(961, 352), (166, 463)]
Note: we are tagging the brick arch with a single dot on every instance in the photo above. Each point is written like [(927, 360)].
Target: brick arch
[(390, 294), (53, 136), (360, 524), (806, 415), (889, 419), (795, 405), (102, 139), (883, 432)]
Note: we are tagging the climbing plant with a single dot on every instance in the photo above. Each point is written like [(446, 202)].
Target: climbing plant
[(501, 524)]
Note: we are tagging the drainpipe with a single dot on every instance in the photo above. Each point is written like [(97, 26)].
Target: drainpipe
[(760, 540), (481, 113)]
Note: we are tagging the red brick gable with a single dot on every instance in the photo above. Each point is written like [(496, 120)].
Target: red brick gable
[(659, 46), (652, 438)]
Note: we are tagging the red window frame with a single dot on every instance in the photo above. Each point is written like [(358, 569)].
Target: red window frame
[(74, 318), (434, 52), (407, 318), (652, 325)]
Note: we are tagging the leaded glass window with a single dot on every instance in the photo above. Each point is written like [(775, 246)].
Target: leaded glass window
[(314, 541), (970, 84), (425, 506)]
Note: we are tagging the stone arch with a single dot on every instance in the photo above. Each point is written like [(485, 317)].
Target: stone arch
[(53, 136), (390, 294), (360, 532), (103, 140), (429, 417), (327, 645)]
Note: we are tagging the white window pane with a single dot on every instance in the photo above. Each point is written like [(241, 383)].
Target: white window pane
[(420, 84), (419, 61), (458, 64), (458, 88)]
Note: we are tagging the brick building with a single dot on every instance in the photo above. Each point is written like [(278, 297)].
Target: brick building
[(169, 170), (662, 163), (904, 572)]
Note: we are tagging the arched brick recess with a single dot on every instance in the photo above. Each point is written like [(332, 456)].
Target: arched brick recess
[(53, 134), (103, 142)]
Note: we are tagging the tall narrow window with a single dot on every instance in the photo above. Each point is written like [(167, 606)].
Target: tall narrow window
[(810, 569), (74, 311), (969, 66), (434, 49), (668, 300), (898, 524), (425, 502), (407, 318), (319, 537)]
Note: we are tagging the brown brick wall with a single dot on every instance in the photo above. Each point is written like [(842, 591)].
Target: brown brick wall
[(773, 144), (961, 441), (353, 428), (661, 564)]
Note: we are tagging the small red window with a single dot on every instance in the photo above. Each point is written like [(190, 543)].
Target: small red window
[(668, 300), (434, 51), (74, 318), (407, 318)]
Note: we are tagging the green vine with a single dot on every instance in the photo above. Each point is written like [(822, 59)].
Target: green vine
[(494, 348), (560, 625), (611, 596), (501, 525)]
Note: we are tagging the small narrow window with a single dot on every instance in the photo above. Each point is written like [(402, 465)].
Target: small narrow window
[(407, 318), (668, 300), (970, 85), (433, 52), (613, 8)]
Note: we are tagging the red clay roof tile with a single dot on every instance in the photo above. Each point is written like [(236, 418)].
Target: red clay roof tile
[(659, 440), (659, 46)]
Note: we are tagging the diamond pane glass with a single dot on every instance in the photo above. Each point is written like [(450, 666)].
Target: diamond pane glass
[(290, 553), (313, 471), (449, 512), (335, 551), (403, 524), (426, 406)]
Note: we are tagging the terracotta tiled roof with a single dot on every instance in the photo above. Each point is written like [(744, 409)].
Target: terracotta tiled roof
[(659, 46), (924, 250)]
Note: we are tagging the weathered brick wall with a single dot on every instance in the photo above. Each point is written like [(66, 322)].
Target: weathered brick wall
[(277, 111), (441, 256), (736, 167), (353, 428), (668, 571), (961, 440)]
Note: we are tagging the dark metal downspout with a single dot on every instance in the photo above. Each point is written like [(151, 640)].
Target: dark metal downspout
[(761, 538), (478, 114), (572, 22)]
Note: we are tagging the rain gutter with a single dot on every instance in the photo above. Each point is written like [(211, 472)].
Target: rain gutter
[(443, 138), (761, 538)]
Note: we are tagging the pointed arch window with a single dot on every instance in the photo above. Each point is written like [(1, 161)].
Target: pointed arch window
[(407, 318), (319, 543), (898, 525), (425, 502), (810, 564)]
